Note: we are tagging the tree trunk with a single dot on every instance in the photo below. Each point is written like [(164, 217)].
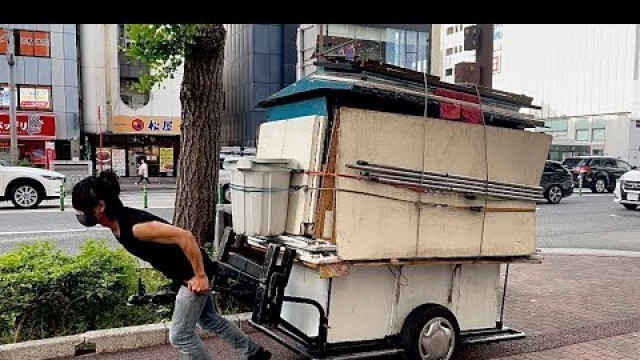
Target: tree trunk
[(201, 98)]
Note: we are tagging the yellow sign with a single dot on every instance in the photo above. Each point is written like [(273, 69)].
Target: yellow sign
[(166, 159), (148, 125)]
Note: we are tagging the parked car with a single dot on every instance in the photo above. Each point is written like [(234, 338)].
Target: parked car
[(627, 191), (26, 187), (600, 173), (556, 181)]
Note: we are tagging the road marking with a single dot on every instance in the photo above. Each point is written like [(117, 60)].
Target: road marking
[(614, 215), (38, 232)]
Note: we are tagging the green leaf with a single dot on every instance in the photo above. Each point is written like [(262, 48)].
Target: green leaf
[(161, 47)]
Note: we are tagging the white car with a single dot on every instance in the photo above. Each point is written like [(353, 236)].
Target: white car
[(627, 191), (26, 187)]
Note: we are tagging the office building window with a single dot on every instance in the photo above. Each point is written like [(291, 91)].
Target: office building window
[(450, 30), (582, 130), (404, 48), (130, 72), (597, 129), (556, 126)]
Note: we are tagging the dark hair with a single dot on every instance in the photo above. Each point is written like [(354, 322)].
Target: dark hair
[(90, 190)]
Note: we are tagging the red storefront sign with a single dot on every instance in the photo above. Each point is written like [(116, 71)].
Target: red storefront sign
[(34, 126)]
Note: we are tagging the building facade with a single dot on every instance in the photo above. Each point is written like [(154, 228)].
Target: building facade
[(121, 125), (584, 76), (404, 45), (47, 92), (259, 60)]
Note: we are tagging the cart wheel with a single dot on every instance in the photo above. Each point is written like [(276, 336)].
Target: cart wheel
[(430, 332)]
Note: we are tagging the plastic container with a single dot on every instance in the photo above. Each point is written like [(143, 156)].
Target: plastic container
[(259, 195)]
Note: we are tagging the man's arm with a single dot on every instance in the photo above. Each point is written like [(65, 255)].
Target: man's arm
[(162, 233)]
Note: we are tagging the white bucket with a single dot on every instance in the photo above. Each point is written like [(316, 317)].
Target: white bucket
[(259, 195)]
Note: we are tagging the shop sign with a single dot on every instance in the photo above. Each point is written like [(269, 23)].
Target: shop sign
[(35, 126), (166, 160), (35, 97), (150, 125)]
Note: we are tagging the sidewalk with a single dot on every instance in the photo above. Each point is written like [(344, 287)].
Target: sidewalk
[(570, 307)]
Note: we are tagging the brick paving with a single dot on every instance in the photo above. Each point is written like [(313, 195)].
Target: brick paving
[(570, 307)]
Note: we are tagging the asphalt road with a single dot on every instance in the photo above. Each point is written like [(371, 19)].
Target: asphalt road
[(61, 228), (591, 221)]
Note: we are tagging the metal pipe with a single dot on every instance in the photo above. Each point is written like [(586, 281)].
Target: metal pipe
[(362, 163), (383, 180), (13, 122), (443, 180), (447, 187)]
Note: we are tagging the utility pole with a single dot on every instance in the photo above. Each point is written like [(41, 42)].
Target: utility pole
[(11, 60)]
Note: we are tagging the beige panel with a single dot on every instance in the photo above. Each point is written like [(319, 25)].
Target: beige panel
[(476, 290), (516, 156), (373, 228), (360, 307), (369, 227), (454, 147), (446, 231), (510, 233), (382, 138)]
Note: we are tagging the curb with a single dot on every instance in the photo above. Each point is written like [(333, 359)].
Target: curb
[(100, 341), (589, 252)]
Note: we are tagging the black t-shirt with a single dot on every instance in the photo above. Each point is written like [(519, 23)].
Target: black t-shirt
[(167, 258)]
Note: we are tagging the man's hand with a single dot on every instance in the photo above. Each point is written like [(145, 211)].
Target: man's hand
[(199, 284)]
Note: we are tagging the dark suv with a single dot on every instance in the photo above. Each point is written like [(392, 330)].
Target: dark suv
[(556, 181), (600, 173)]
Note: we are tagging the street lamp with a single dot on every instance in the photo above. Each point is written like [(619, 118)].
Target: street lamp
[(11, 60)]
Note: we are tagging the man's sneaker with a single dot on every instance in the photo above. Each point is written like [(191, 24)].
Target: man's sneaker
[(261, 354)]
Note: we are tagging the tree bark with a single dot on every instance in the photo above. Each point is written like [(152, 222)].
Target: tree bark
[(201, 98)]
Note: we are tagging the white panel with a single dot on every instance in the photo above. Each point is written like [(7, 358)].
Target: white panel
[(423, 284), (472, 296), (476, 305), (360, 307), (299, 139), (305, 283)]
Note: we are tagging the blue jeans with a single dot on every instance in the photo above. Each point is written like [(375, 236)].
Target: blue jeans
[(191, 309)]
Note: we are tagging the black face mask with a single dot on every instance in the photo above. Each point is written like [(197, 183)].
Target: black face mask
[(87, 219)]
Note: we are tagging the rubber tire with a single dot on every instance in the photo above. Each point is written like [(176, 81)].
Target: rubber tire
[(630, 206), (35, 205), (549, 191), (593, 187), (416, 320)]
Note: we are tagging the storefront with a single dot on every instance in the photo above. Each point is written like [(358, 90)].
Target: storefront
[(156, 139), (36, 136)]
